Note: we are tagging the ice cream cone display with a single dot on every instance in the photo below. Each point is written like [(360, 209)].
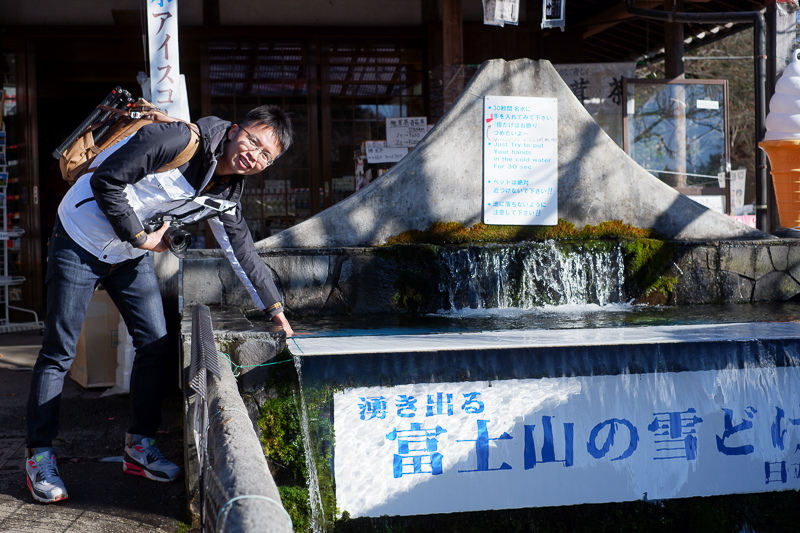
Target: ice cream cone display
[(784, 161), (782, 143)]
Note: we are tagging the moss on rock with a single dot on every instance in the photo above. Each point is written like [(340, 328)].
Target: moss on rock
[(456, 233), (646, 260), (281, 434)]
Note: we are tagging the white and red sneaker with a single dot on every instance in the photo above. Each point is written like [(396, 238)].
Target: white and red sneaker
[(42, 476), (143, 458)]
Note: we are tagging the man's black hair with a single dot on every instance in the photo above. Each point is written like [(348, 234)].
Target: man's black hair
[(275, 118)]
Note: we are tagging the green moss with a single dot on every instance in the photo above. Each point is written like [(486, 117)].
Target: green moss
[(416, 267), (645, 263), (414, 289), (295, 501), (281, 434), (663, 285), (319, 405), (616, 229), (646, 255), (569, 248), (455, 233)]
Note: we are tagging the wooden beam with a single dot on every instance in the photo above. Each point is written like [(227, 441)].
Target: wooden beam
[(617, 14), (611, 17)]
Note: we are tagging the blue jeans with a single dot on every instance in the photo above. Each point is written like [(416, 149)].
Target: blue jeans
[(72, 275)]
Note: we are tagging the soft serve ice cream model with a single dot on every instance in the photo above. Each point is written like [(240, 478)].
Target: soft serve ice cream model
[(782, 143)]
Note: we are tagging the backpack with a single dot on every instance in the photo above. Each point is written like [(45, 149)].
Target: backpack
[(115, 119)]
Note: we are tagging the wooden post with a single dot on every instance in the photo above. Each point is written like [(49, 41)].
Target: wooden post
[(673, 42), (673, 68), (452, 45), (452, 51)]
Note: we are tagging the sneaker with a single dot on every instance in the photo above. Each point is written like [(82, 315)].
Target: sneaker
[(42, 475), (143, 458)]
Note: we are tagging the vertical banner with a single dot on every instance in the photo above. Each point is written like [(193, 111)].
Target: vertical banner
[(167, 87), (520, 160), (738, 180)]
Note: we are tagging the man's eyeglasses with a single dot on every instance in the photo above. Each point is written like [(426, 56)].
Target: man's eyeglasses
[(262, 155)]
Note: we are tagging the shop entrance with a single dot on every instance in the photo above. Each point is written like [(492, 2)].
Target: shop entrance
[(339, 95)]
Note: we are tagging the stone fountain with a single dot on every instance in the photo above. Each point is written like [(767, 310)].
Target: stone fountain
[(518, 423)]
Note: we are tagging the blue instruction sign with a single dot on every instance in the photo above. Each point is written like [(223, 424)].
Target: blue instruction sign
[(520, 160)]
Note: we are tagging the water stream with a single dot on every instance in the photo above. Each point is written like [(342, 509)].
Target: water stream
[(314, 496), (529, 275)]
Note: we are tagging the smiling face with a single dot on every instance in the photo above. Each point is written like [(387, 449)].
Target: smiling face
[(248, 151)]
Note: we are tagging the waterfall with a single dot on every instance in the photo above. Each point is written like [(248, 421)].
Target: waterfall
[(531, 275), (314, 495)]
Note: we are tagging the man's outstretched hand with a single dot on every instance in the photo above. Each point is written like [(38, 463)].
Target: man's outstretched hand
[(280, 319)]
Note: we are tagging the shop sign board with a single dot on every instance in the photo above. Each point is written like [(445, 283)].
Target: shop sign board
[(381, 154)]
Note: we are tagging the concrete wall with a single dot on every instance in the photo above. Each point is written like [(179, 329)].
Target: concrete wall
[(363, 280), (441, 180)]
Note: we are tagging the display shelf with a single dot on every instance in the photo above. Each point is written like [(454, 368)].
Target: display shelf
[(10, 235)]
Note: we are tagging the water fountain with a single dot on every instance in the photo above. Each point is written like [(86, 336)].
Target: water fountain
[(441, 386)]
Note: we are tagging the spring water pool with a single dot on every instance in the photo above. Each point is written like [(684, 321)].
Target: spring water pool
[(578, 316), (578, 395)]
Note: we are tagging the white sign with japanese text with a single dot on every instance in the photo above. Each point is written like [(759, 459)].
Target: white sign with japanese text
[(405, 132), (455, 447), (167, 86), (381, 154), (520, 160)]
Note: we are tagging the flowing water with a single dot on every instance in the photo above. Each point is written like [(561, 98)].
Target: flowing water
[(314, 497), (529, 275), (537, 286)]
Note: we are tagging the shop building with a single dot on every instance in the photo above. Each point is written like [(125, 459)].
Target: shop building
[(341, 67)]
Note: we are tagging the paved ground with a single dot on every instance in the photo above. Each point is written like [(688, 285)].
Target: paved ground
[(101, 497)]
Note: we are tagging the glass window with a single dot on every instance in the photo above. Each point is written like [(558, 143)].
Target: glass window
[(677, 131), (357, 87)]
